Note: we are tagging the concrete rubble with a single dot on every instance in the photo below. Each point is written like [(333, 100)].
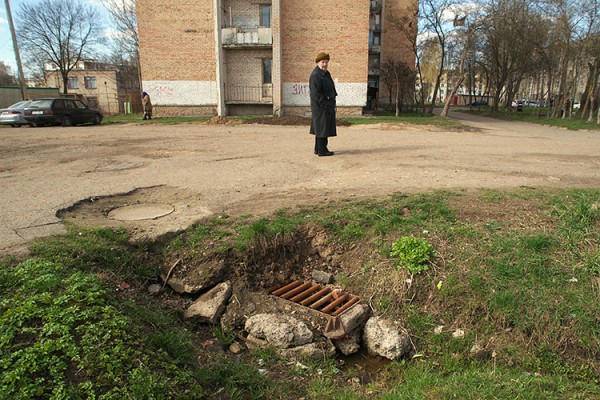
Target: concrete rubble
[(386, 338), (210, 305)]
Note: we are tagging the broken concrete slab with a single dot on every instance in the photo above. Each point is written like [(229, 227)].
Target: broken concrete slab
[(210, 305), (349, 344), (278, 330), (191, 278), (355, 317)]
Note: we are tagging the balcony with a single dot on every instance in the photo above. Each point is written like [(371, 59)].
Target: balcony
[(249, 94), (376, 5), (239, 36)]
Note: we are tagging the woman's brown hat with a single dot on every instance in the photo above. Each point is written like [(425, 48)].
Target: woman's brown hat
[(322, 56)]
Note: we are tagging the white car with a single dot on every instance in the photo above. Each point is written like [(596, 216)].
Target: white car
[(14, 114)]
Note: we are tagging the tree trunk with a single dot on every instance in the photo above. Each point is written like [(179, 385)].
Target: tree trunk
[(449, 98), (65, 80)]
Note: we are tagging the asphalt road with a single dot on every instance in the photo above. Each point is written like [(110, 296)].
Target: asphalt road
[(211, 169)]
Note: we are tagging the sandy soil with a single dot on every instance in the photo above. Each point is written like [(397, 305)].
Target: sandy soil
[(84, 173)]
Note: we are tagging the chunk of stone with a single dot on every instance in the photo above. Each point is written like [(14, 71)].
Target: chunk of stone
[(322, 277), (192, 279), (155, 288), (316, 351), (349, 344), (278, 330), (355, 317), (210, 305), (386, 338)]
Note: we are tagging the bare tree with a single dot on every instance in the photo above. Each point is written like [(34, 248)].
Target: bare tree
[(407, 25), (7, 77), (399, 77), (127, 46), (60, 32)]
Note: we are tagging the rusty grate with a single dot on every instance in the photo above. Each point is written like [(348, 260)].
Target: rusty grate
[(316, 297)]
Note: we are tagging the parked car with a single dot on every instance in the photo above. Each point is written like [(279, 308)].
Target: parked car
[(479, 103), (14, 115), (60, 111)]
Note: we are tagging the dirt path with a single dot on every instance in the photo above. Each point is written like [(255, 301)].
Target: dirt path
[(204, 170)]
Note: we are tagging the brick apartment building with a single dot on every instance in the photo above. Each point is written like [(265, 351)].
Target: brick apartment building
[(238, 57)]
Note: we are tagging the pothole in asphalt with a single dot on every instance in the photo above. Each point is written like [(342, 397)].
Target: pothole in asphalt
[(140, 212), (147, 213)]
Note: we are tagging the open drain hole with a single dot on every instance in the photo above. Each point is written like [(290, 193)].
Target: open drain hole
[(316, 297)]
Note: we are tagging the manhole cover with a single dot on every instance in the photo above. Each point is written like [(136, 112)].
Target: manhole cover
[(326, 300), (138, 212)]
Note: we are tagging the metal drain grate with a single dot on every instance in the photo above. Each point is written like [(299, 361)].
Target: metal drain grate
[(316, 297)]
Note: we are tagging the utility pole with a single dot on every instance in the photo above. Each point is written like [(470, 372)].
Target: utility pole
[(17, 54)]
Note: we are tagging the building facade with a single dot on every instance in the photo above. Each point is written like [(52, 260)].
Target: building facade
[(239, 57), (106, 87)]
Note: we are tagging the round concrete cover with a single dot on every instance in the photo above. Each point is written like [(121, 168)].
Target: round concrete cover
[(138, 212)]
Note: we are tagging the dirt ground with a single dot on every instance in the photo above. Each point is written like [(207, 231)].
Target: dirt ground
[(178, 174)]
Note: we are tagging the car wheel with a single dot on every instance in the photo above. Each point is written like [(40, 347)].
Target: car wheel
[(66, 121), (16, 125), (33, 124), (97, 119)]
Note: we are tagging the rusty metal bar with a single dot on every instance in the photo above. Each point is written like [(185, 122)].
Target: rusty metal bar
[(315, 296), (297, 290), (353, 300), (286, 288), (335, 303), (309, 294), (324, 300), (306, 293)]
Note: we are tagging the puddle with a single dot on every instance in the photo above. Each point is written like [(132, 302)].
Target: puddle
[(368, 367)]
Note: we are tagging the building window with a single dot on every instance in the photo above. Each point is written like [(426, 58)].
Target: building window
[(90, 82), (266, 67), (72, 83), (265, 15)]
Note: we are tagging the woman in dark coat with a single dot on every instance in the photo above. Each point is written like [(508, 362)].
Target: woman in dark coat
[(322, 105)]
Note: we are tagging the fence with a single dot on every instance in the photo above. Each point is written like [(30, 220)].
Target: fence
[(249, 94), (12, 94)]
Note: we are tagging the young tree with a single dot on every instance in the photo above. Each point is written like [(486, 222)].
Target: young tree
[(60, 32)]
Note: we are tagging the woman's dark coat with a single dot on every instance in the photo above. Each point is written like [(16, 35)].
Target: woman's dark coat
[(322, 103)]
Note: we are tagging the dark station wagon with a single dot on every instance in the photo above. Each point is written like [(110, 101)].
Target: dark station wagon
[(60, 111)]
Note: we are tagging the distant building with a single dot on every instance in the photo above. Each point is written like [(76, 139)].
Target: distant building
[(234, 57), (108, 87)]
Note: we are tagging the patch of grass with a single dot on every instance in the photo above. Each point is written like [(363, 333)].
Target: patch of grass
[(105, 250), (540, 117), (516, 270), (409, 118), (138, 118), (424, 380), (62, 338)]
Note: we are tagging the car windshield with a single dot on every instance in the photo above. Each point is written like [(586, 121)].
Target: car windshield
[(46, 103), (20, 104)]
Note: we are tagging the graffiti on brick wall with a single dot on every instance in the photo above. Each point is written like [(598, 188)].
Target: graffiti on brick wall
[(161, 90), (300, 89)]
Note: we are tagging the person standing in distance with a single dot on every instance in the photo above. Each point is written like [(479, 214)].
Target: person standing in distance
[(322, 105), (147, 105)]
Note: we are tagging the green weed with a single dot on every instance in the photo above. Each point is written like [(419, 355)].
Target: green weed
[(412, 254)]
